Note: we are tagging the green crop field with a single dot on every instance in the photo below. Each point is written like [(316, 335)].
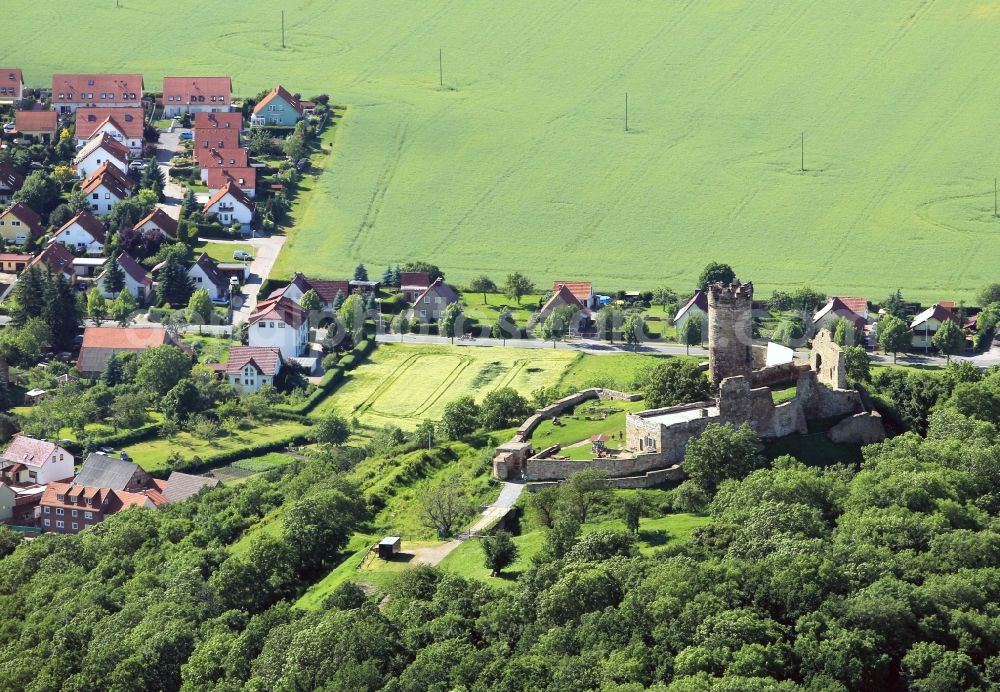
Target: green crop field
[(521, 159), (403, 384)]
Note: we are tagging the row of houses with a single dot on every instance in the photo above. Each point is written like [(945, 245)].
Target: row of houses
[(40, 487)]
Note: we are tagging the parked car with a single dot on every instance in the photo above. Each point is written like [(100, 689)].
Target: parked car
[(187, 134), (137, 165), (9, 127), (242, 255)]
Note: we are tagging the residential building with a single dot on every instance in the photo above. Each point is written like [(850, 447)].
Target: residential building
[(137, 282), (695, 308), (282, 323), (277, 108), (430, 305), (249, 368), (18, 222), (39, 126), (28, 461), (11, 86), (184, 486), (19, 504), (124, 125), (562, 297), (100, 343), (209, 138), (245, 178), (222, 159), (73, 507), (98, 151), (836, 308), (205, 274), (106, 187), (84, 233), (12, 263), (326, 290), (413, 284), (228, 205), (232, 121), (10, 181), (158, 221), (583, 291), (89, 267), (55, 259), (196, 95), (72, 91), (926, 324)]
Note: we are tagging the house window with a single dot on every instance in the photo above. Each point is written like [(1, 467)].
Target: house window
[(47, 522), (96, 196), (47, 510), (60, 497), (75, 526), (73, 513), (281, 325), (88, 515), (60, 511), (60, 524)]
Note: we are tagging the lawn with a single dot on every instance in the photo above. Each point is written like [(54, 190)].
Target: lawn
[(403, 384), (467, 559), (525, 144), (223, 252), (583, 422), (619, 369), (486, 313), (152, 455), (209, 349)]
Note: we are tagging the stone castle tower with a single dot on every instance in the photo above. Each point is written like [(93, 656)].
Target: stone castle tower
[(730, 346)]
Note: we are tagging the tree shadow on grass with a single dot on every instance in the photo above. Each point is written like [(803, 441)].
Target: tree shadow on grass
[(654, 538)]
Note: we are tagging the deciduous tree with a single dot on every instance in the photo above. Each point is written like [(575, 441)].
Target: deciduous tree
[(483, 284), (516, 286), (499, 551), (893, 335)]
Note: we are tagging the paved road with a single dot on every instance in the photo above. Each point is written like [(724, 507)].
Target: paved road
[(582, 345), (265, 253), (508, 496), (173, 194)]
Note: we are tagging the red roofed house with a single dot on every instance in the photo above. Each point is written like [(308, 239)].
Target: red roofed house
[(12, 263), (279, 107), (105, 187), (11, 86), (232, 121), (245, 178), (55, 259), (196, 95), (158, 221), (583, 291), (222, 159), (562, 297), (325, 289), (83, 233), (98, 151), (835, 309), (41, 126), (696, 307), (413, 284), (18, 222), (136, 281), (27, 460), (205, 139), (926, 324), (429, 305), (282, 323), (72, 91), (230, 205), (124, 125), (10, 181), (250, 368), (99, 343)]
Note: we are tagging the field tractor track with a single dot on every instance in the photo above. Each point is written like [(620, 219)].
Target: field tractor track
[(381, 188), (386, 383), (440, 390)]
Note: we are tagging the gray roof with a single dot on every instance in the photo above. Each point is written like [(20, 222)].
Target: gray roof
[(101, 471), (181, 486)]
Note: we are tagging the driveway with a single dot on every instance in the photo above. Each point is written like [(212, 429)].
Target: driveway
[(166, 148), (265, 253)]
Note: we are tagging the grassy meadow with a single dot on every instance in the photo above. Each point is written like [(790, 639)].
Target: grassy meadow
[(521, 159)]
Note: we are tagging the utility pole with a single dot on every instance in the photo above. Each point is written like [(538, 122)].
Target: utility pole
[(802, 153), (282, 28), (626, 111), (995, 198), (441, 67)]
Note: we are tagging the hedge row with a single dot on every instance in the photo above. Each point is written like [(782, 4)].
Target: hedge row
[(224, 458), (271, 285), (328, 383), (120, 439)]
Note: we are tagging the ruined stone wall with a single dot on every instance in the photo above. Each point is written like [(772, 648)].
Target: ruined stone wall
[(557, 469), (859, 429), (730, 347), (786, 373), (819, 401), (556, 408), (739, 403), (638, 426), (828, 360)]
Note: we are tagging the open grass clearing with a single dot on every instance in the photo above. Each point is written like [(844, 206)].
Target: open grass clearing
[(222, 252)]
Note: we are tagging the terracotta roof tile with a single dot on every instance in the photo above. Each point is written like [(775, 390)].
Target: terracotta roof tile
[(36, 121), (244, 177), (264, 358), (197, 90), (87, 222), (583, 290), (117, 88), (283, 309), (161, 220), (283, 93), (229, 189), (106, 142), (232, 120), (26, 215), (128, 120)]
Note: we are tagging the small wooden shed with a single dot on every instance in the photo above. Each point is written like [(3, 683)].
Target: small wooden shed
[(389, 547)]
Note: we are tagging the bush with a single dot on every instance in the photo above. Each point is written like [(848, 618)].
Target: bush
[(330, 361)]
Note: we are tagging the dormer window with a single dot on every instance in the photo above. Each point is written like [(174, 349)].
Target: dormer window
[(60, 497), (129, 117), (90, 82)]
